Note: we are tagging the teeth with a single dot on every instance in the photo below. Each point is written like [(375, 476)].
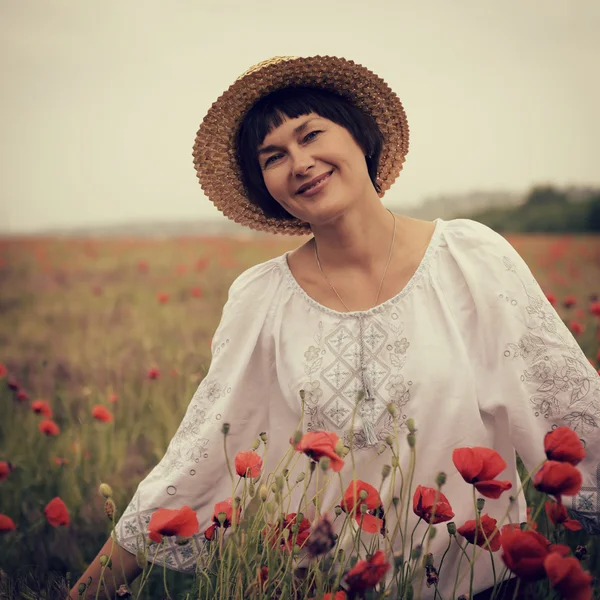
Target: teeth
[(314, 185)]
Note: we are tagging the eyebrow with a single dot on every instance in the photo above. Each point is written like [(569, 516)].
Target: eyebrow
[(297, 130)]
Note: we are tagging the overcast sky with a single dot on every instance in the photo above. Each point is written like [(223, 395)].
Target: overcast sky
[(102, 99)]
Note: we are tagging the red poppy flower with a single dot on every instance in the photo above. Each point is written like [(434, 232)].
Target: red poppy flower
[(3, 371), (524, 552), (567, 577), (423, 505), (41, 407), (487, 528), (563, 445), (196, 292), (61, 461), (56, 513), (101, 413), (225, 507), (569, 301), (49, 427), (22, 396), (558, 478), (6, 469), (595, 308), (372, 520), (368, 573), (337, 596), (557, 513), (6, 524), (113, 397), (182, 521), (153, 373), (576, 327), (201, 264), (12, 384), (273, 533), (551, 298), (479, 466), (162, 297), (248, 464), (181, 269), (316, 444), (143, 266)]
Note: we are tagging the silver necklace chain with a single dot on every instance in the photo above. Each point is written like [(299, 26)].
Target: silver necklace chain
[(384, 271)]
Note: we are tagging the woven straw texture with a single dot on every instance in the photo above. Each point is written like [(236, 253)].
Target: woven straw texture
[(214, 150)]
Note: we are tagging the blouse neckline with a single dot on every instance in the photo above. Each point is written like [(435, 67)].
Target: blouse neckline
[(416, 276)]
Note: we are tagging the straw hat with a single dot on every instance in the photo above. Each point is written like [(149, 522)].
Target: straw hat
[(214, 149)]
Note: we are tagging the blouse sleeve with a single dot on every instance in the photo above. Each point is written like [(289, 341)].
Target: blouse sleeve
[(531, 370), (237, 389)]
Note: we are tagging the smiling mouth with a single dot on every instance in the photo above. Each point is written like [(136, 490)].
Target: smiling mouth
[(319, 182)]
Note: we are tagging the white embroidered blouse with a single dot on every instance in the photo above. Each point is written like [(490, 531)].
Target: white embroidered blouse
[(470, 349)]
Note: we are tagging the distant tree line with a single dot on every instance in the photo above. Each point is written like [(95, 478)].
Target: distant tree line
[(545, 210)]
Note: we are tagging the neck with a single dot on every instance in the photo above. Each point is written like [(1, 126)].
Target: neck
[(357, 240)]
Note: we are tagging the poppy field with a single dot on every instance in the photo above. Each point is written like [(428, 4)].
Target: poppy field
[(104, 342)]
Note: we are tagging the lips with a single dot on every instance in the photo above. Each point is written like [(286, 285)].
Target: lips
[(313, 182)]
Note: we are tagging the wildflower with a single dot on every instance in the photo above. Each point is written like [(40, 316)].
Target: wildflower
[(523, 552), (557, 513), (423, 506), (12, 384), (6, 469), (56, 513), (479, 466), (568, 577), (224, 508), (49, 427), (316, 444), (6, 524), (569, 301), (367, 573), (330, 596), (101, 413), (113, 397), (576, 327), (196, 292), (60, 461), (551, 298), (487, 528), (360, 494), (41, 407), (22, 396), (105, 490), (595, 308), (558, 478), (123, 591), (277, 536), (321, 538), (162, 297), (563, 445), (581, 552), (248, 464), (153, 373), (109, 508), (182, 522), (3, 371)]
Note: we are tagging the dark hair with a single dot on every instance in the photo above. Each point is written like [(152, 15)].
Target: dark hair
[(270, 111)]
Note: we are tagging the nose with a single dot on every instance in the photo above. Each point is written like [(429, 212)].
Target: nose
[(301, 162)]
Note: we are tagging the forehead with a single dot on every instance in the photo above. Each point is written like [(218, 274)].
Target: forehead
[(291, 124)]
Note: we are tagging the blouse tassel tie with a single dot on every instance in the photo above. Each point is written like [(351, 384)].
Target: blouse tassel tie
[(367, 411)]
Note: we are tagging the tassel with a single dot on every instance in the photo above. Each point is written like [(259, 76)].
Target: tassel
[(368, 428)]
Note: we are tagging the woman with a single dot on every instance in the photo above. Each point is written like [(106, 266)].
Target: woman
[(442, 319)]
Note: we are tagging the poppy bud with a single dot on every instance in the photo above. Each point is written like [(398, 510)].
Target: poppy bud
[(312, 466), (381, 449), (105, 490), (285, 534), (391, 407), (416, 553), (340, 555), (480, 504), (398, 560), (141, 558), (363, 494), (451, 526), (428, 558), (300, 477), (339, 447), (81, 588), (345, 451), (411, 439), (432, 533), (302, 393), (109, 508), (280, 482), (324, 463), (263, 492), (263, 436), (89, 581), (274, 487), (580, 552), (385, 471), (363, 509), (251, 490), (389, 440), (296, 437), (296, 550), (255, 444), (299, 518), (285, 473), (182, 541), (441, 479), (396, 500), (225, 429), (410, 424), (222, 517), (395, 462), (105, 562), (338, 511)]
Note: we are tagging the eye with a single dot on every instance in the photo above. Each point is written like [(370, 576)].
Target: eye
[(307, 138), (271, 158), (316, 131)]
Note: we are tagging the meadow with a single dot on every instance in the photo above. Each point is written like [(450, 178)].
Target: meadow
[(108, 339)]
